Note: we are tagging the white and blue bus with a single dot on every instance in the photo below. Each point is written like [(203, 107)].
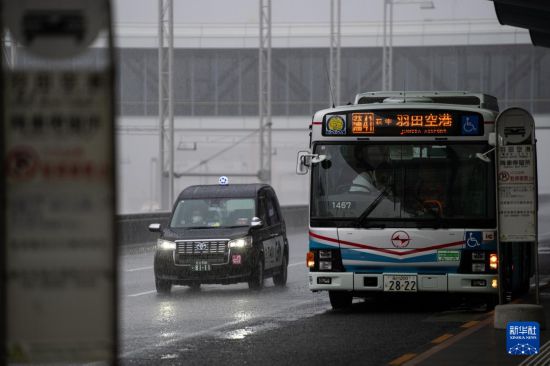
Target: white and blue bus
[(403, 197)]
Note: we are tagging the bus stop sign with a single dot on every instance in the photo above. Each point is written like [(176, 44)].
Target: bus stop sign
[(517, 178)]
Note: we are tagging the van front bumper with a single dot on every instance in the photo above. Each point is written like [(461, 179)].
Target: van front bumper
[(224, 273), (451, 282)]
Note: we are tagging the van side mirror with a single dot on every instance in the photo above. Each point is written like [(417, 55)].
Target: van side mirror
[(256, 222), (154, 228)]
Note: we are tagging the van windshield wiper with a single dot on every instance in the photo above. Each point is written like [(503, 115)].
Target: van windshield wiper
[(372, 206)]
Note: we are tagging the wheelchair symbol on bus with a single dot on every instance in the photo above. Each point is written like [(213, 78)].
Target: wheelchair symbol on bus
[(470, 125), (473, 239)]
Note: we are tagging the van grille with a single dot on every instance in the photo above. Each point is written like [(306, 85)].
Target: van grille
[(187, 252)]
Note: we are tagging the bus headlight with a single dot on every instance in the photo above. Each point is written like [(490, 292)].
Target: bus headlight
[(241, 242), (166, 244)]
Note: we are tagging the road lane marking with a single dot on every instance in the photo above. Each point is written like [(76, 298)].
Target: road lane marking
[(296, 264), (142, 293), (449, 342), (401, 360), (442, 338), (469, 324), (138, 269)]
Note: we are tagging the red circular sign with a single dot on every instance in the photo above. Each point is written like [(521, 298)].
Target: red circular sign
[(21, 163), (504, 176), (400, 239)]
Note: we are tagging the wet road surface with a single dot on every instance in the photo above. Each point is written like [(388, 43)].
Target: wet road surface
[(232, 325)]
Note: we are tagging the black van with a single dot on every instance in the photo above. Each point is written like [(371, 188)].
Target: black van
[(222, 234)]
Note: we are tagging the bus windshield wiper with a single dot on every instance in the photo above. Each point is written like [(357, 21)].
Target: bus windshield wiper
[(372, 206)]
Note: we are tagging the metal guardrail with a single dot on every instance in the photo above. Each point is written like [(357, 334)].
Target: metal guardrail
[(133, 228)]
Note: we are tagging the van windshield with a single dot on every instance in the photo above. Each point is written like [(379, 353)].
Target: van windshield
[(213, 212)]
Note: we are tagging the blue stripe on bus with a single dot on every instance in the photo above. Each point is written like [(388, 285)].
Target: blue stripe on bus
[(364, 256), (316, 245), (379, 270)]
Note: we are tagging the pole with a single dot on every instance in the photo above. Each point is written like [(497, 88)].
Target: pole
[(390, 61), (264, 91), (160, 165), (171, 101), (384, 48)]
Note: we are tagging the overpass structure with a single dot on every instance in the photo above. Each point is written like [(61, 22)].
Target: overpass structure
[(455, 45)]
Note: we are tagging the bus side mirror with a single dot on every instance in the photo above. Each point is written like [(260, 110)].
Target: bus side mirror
[(492, 139), (303, 162), (305, 159)]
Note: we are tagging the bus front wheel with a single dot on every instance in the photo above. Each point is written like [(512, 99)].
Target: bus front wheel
[(340, 299)]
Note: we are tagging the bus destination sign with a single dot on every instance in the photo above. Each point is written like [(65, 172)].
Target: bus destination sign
[(405, 123)]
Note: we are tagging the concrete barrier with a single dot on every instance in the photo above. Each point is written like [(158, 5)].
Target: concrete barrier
[(133, 228)]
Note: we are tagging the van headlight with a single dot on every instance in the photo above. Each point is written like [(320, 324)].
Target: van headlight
[(165, 244), (241, 242)]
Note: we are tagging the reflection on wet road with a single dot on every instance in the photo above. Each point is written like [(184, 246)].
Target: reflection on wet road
[(186, 324), (150, 320)]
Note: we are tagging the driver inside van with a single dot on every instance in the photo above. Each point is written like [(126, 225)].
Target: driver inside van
[(197, 216)]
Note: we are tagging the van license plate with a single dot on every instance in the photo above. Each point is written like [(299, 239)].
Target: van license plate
[(400, 283), (201, 266)]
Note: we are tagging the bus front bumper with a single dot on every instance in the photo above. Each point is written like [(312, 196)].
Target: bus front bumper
[(451, 282)]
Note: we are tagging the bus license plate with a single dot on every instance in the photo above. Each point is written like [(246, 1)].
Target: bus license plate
[(400, 283), (201, 266)]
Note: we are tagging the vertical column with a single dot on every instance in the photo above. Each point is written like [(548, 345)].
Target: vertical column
[(335, 37), (166, 107), (264, 91)]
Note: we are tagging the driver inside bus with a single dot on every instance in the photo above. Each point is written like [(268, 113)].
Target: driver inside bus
[(429, 193), (372, 167)]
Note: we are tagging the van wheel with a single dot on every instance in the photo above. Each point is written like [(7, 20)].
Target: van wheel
[(256, 281), (280, 278), (340, 299), (163, 286)]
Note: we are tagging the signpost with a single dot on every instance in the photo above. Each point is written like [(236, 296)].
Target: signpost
[(58, 245), (517, 188)]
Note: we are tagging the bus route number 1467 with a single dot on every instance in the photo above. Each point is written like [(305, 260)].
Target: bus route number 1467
[(343, 205)]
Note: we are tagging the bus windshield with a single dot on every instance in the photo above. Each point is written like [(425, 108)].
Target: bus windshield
[(403, 185)]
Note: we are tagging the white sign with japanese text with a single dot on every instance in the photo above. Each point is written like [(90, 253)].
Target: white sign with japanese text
[(60, 271), (516, 181)]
